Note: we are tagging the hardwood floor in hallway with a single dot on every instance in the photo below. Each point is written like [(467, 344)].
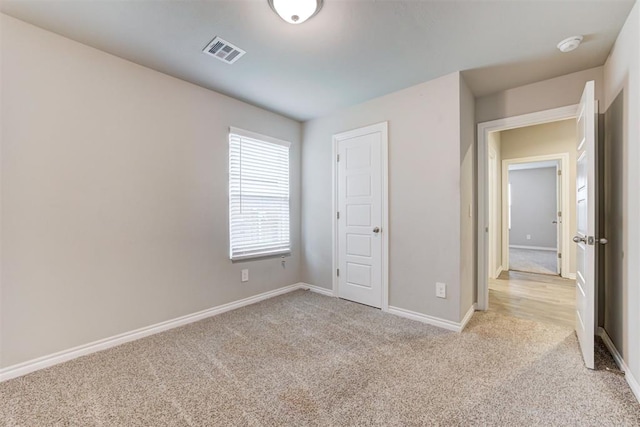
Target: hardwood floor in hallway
[(541, 297)]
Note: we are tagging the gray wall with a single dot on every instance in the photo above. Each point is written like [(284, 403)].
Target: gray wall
[(533, 207), (468, 205), (622, 107), (553, 93), (613, 252), (114, 196), (424, 193)]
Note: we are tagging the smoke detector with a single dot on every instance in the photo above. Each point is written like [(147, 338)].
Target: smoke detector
[(567, 45), (223, 50)]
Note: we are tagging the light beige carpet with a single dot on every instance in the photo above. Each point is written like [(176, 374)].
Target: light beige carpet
[(304, 359)]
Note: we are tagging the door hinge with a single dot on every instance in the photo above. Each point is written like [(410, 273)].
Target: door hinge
[(338, 272), (559, 255), (338, 158), (338, 215), (559, 172), (559, 214)]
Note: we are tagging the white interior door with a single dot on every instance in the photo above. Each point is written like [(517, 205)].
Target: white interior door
[(558, 220), (586, 224), (359, 218)]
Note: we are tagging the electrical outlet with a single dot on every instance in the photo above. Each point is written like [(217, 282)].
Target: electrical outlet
[(528, 236), (245, 275), (441, 290)]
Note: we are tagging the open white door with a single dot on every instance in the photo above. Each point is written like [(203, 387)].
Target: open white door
[(586, 224)]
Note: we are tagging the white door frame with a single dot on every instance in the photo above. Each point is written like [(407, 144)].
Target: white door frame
[(384, 156), (484, 129), (492, 190), (565, 208)]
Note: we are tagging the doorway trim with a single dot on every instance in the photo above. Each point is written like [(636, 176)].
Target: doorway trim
[(492, 197), (563, 158), (384, 156), (484, 129)]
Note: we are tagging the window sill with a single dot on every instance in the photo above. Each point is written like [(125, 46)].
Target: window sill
[(253, 257)]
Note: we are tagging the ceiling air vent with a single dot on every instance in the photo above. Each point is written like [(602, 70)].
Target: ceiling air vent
[(223, 50)]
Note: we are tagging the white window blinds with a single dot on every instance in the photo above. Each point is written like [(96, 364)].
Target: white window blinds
[(258, 195)]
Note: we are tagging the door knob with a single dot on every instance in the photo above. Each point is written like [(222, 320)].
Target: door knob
[(602, 241), (579, 239), (376, 230), (554, 222)]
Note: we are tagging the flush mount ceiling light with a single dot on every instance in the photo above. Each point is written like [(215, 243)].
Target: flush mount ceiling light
[(567, 45), (295, 11)]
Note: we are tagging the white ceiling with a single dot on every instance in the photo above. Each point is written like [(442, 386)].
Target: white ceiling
[(352, 51)]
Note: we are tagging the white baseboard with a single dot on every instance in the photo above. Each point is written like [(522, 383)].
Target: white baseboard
[(432, 320), (633, 383), (498, 272), (103, 344), (317, 289), (537, 248), (612, 348), (571, 276), (435, 321), (468, 316)]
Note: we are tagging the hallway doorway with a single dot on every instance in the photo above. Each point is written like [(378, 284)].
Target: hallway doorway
[(533, 194), (530, 259)]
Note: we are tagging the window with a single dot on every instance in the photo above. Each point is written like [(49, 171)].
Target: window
[(258, 195)]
